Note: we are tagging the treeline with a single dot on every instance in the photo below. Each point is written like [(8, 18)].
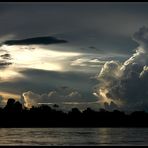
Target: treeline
[(15, 115)]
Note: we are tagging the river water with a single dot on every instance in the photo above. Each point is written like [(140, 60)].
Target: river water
[(74, 136)]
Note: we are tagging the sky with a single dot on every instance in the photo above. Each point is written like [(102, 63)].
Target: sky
[(74, 54)]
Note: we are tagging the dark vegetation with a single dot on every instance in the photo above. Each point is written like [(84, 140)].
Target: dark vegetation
[(14, 115)]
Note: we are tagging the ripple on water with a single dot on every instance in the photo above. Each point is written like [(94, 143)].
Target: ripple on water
[(73, 136)]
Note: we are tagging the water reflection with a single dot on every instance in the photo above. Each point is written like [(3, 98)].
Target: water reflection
[(73, 136), (104, 136)]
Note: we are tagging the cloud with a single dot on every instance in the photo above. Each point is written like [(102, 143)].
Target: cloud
[(108, 33), (41, 81), (65, 97), (6, 56), (36, 40), (5, 59), (4, 64), (126, 84), (87, 62), (141, 37), (62, 94)]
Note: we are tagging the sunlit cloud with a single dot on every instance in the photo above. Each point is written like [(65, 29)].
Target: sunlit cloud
[(10, 74), (38, 58)]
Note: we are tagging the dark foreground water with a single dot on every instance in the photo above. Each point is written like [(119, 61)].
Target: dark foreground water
[(74, 136)]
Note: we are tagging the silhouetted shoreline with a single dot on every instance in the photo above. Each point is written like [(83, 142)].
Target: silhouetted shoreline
[(15, 115)]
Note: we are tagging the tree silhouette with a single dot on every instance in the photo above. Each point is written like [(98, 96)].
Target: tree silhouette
[(18, 106), (56, 106), (14, 115), (10, 105)]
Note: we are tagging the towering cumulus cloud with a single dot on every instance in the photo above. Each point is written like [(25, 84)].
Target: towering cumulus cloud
[(126, 84)]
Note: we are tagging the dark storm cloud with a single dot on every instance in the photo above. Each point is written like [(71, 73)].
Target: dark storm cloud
[(36, 40), (127, 82), (102, 42), (108, 26)]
